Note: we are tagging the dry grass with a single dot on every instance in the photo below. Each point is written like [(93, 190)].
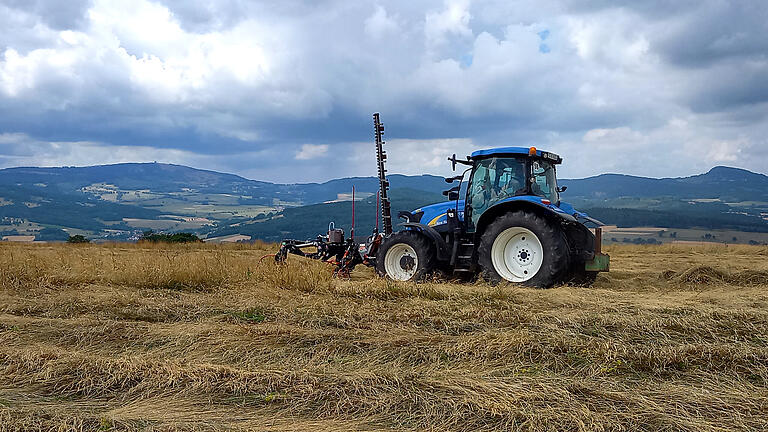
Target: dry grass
[(129, 337)]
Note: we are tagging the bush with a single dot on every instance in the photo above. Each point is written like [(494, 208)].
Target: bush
[(77, 239)]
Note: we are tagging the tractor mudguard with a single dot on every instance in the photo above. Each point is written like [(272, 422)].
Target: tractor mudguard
[(440, 245), (538, 201), (523, 201)]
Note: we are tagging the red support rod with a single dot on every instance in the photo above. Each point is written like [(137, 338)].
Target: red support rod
[(352, 232)]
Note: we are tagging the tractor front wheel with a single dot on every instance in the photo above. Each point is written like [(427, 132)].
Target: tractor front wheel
[(525, 248), (406, 256)]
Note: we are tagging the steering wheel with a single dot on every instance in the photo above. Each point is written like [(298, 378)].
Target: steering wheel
[(505, 191)]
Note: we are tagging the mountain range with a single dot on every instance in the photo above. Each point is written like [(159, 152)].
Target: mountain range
[(117, 201)]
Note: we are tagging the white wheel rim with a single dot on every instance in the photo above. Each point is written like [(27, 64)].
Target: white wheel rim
[(401, 262), (517, 254)]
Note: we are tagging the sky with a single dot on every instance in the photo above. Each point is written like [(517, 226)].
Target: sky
[(283, 91)]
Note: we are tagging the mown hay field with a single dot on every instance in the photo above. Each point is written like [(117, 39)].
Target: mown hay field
[(142, 337)]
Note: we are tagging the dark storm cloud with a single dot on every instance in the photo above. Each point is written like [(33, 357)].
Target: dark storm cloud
[(207, 16), (56, 14), (656, 9), (715, 31), (736, 85)]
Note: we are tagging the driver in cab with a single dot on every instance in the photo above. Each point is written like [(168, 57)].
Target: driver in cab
[(510, 179), (501, 178)]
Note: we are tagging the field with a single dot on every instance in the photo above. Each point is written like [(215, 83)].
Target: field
[(132, 337), (613, 235)]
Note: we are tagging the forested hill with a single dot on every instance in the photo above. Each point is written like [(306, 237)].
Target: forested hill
[(121, 181), (116, 201), (724, 183)]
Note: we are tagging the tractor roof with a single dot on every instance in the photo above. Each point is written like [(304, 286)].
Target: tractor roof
[(516, 151)]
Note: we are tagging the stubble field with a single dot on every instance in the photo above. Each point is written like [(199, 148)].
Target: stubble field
[(142, 337)]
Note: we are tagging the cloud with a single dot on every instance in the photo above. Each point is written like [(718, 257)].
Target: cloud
[(311, 151), (380, 24), (239, 85), (617, 137), (409, 156), (452, 20), (17, 149)]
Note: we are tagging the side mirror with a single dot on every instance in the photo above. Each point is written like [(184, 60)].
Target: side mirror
[(453, 189), (452, 193), (562, 189), (453, 161)]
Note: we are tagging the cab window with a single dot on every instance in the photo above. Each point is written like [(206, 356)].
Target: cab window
[(544, 180), (493, 180)]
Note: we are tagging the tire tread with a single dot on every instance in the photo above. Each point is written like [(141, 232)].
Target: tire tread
[(425, 251), (556, 263)]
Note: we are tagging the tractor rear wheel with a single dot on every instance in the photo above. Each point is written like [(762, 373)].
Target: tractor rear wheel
[(406, 256), (525, 248)]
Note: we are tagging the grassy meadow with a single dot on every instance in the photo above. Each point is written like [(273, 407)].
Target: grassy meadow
[(205, 337)]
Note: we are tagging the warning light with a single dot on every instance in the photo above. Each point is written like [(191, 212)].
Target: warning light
[(546, 201), (532, 151)]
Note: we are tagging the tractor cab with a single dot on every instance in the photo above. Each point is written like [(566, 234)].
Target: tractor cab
[(495, 176), (509, 173)]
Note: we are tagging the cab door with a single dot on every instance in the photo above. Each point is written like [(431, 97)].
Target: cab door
[(492, 180)]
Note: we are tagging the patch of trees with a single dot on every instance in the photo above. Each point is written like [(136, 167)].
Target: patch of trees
[(180, 237), (640, 240), (77, 239)]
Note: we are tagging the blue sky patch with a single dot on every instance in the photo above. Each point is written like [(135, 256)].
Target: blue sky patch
[(466, 60)]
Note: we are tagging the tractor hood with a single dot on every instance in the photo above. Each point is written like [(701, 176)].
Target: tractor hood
[(435, 214)]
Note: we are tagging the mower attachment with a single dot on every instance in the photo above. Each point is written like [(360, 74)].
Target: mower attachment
[(332, 249)]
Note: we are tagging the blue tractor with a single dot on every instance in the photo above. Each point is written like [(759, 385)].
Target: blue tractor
[(511, 225)]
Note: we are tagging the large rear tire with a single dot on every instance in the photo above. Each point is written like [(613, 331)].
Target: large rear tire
[(406, 256), (522, 247)]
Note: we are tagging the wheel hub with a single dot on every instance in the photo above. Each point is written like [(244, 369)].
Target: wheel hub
[(523, 254), (407, 263), (401, 262)]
